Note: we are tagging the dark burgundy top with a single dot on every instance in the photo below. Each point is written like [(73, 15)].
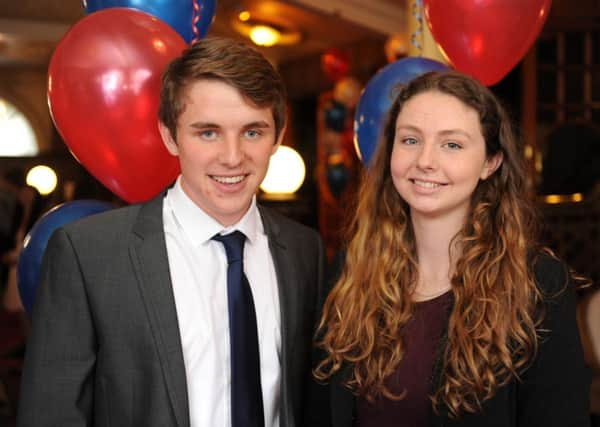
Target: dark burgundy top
[(421, 335)]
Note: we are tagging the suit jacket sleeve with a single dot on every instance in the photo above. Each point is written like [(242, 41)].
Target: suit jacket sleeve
[(318, 408), (58, 376), (555, 390)]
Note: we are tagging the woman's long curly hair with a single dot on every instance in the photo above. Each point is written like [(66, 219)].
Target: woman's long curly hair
[(491, 336)]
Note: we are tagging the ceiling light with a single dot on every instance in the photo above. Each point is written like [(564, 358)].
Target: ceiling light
[(263, 32), (244, 15), (263, 35)]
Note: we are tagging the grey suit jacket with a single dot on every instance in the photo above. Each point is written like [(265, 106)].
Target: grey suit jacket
[(105, 348)]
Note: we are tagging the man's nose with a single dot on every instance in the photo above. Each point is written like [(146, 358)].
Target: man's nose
[(232, 153)]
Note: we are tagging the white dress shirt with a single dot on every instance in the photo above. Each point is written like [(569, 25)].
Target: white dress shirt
[(198, 267)]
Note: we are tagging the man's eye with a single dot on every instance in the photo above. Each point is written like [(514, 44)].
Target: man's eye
[(252, 133), (208, 134)]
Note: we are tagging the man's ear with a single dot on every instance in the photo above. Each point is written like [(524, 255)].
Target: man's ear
[(279, 139), (491, 165), (167, 139)]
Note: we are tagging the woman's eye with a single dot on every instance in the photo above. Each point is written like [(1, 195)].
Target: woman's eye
[(409, 141), (453, 145)]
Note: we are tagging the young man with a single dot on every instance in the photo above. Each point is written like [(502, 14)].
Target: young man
[(134, 323)]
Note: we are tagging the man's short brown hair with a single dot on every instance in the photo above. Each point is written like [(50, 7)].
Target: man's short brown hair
[(230, 61)]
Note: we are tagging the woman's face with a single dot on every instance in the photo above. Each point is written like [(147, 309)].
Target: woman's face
[(439, 155)]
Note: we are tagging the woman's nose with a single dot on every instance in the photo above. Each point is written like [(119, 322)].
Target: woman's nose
[(427, 157)]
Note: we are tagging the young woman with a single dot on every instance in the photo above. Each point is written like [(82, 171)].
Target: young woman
[(446, 312)]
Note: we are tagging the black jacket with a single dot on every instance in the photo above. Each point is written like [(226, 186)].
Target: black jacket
[(554, 391)]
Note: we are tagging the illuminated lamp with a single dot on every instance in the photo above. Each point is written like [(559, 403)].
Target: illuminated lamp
[(553, 199), (42, 178), (264, 35), (263, 32), (285, 175)]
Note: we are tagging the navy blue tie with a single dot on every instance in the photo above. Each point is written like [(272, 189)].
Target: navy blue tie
[(246, 392)]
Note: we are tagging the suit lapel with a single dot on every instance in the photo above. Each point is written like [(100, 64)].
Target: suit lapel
[(287, 278), (148, 254)]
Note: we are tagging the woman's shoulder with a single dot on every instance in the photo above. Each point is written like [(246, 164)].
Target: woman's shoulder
[(551, 274)]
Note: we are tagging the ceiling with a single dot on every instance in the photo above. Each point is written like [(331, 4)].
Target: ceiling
[(30, 29)]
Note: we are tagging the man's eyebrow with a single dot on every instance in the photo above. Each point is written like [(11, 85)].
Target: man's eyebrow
[(257, 124), (204, 125)]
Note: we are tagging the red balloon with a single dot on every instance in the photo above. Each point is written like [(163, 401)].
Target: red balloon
[(335, 63), (103, 91), (486, 38)]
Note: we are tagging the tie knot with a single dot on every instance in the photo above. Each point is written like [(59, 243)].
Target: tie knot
[(234, 245)]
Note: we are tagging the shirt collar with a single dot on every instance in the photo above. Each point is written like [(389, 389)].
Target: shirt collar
[(200, 226)]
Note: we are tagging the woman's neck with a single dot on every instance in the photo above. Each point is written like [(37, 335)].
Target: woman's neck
[(436, 254)]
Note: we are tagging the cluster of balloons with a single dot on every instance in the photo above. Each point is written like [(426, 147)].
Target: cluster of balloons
[(346, 93), (335, 63), (179, 14), (103, 88), (482, 39), (103, 92)]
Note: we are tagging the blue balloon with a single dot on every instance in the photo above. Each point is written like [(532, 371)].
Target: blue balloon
[(30, 260), (177, 13), (337, 178), (335, 116), (376, 100)]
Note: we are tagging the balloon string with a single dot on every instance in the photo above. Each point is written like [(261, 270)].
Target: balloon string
[(196, 11), (415, 38)]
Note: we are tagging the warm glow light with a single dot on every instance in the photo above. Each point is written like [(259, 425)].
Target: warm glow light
[(42, 178), (286, 172), (17, 137), (552, 198), (563, 198), (244, 15), (264, 35), (538, 163)]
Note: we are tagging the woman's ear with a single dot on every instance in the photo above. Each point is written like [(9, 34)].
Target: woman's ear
[(491, 164)]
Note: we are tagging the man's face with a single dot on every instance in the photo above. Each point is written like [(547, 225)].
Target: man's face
[(224, 144)]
